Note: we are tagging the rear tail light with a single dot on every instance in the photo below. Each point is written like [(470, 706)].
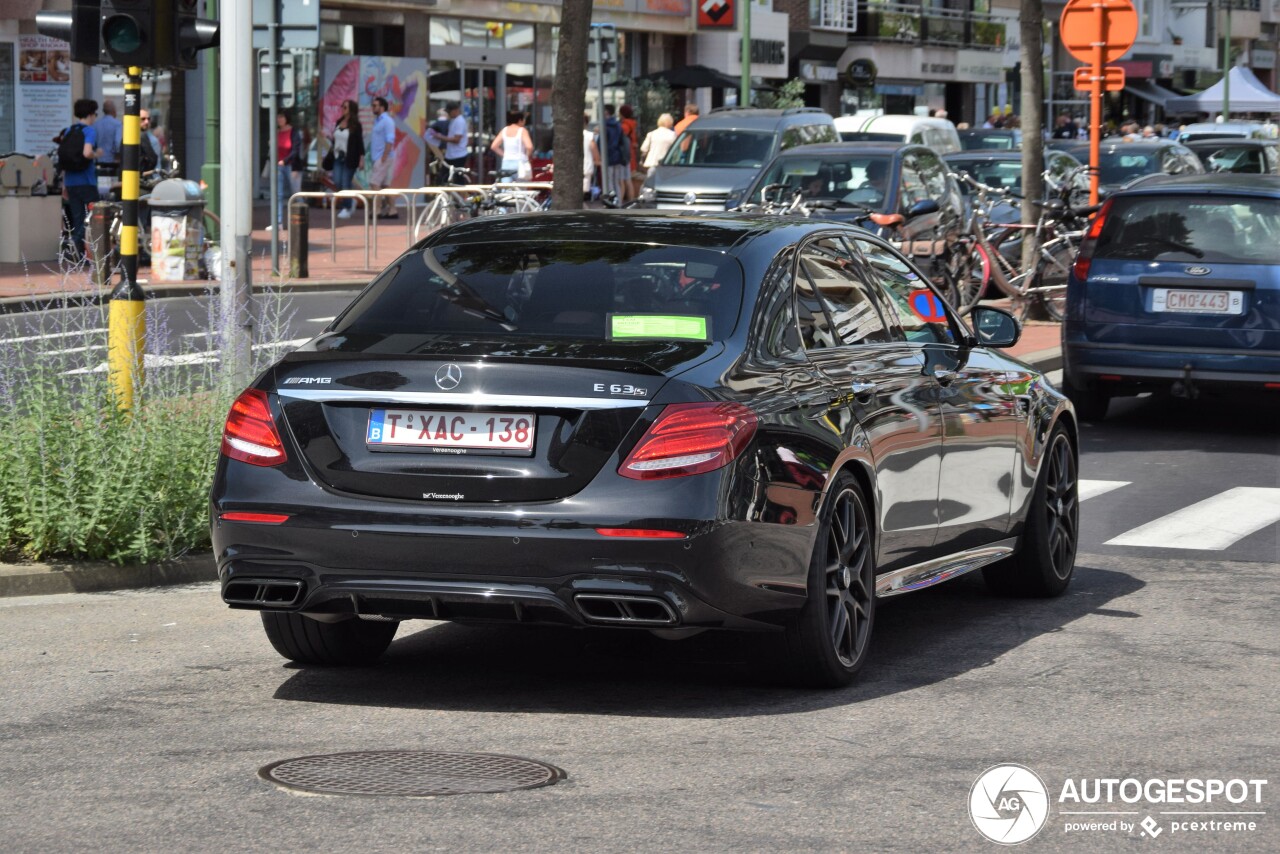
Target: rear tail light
[(260, 518), (250, 434), (690, 438), (641, 533), (1090, 242)]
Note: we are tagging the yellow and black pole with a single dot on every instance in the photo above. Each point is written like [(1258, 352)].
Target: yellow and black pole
[(126, 320)]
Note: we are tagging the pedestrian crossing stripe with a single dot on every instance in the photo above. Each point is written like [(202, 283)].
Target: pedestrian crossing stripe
[(1093, 488), (1209, 525)]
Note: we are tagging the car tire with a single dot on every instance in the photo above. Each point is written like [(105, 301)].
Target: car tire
[(1091, 403), (827, 642), (348, 643), (1046, 557)]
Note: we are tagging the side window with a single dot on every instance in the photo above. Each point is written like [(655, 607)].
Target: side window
[(935, 177), (917, 310), (793, 136), (913, 186), (835, 306)]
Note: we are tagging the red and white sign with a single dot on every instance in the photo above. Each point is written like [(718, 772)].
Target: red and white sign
[(716, 14)]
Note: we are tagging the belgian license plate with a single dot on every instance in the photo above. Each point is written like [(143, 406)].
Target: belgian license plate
[(1197, 302), (464, 431)]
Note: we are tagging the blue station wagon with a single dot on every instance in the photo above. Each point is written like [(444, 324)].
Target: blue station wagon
[(1176, 288)]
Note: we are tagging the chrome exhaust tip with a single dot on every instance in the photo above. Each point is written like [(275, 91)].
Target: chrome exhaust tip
[(625, 610)]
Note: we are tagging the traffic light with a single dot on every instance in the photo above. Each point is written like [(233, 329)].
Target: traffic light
[(602, 50), (137, 32), (142, 33), (79, 27), (192, 34)]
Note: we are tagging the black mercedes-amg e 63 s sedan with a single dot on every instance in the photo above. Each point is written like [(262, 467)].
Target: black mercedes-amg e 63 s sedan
[(646, 421)]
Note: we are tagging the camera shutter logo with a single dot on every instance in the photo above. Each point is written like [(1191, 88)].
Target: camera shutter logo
[(448, 376), (1009, 804)]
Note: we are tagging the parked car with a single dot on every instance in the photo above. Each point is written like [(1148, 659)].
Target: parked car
[(1250, 156), (1123, 162), (858, 178), (982, 139), (874, 126), (1225, 130), (641, 420), (1176, 288), (724, 149)]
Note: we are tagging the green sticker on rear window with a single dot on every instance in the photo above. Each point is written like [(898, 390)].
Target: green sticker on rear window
[(670, 326)]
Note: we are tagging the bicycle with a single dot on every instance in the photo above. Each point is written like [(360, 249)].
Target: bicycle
[(455, 205), (1058, 232)]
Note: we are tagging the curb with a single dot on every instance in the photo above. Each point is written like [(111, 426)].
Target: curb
[(46, 579)]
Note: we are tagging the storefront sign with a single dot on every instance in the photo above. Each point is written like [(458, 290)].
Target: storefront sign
[(766, 52), (860, 72), (674, 8), (716, 14), (818, 73), (1260, 58), (979, 66), (43, 106)]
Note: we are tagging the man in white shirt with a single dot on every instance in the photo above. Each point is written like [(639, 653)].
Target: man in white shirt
[(455, 144), (381, 145)]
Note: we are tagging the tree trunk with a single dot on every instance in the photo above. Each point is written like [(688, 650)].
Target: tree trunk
[(568, 101), (1032, 109)]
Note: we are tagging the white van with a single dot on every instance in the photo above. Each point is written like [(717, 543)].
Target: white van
[(938, 134)]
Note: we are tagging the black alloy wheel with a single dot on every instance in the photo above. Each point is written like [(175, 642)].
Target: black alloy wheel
[(827, 643), (347, 643), (1046, 559)]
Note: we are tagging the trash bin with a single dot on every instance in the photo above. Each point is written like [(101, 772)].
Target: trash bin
[(177, 230)]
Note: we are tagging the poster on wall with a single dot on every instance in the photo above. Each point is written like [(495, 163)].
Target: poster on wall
[(43, 105), (403, 82)]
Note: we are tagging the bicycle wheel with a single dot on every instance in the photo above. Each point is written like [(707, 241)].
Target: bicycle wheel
[(1052, 270), (970, 270)]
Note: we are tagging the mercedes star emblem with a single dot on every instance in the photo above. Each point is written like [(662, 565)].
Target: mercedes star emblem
[(448, 376)]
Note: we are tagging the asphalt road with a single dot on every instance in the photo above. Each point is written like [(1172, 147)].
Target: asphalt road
[(138, 720)]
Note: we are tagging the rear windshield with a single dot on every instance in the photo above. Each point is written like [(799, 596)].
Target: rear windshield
[(573, 290), (1121, 167), (1192, 228), (1004, 141), (726, 148)]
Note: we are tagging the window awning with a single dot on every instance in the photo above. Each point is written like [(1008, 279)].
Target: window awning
[(1149, 91)]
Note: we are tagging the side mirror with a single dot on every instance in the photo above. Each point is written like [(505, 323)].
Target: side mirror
[(994, 327), (922, 207)]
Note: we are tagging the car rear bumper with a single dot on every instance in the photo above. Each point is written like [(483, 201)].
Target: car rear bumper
[(1119, 365), (732, 575)]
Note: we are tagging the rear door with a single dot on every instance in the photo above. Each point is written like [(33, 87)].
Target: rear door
[(877, 380), (1198, 274)]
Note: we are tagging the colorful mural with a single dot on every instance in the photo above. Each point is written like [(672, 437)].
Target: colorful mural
[(403, 82)]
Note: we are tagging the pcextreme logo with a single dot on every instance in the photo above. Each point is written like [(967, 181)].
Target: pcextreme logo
[(1009, 804)]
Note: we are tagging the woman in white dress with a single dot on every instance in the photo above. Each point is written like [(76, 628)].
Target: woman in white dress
[(514, 146)]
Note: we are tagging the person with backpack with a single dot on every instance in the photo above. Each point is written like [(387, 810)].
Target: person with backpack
[(618, 151), (77, 149)]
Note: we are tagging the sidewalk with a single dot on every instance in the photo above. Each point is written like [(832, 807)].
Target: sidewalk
[(21, 286)]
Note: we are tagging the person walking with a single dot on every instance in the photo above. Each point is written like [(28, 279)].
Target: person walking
[(514, 146), (690, 116), (348, 153), (79, 177), (382, 144), (618, 153), (627, 119), (289, 152), (109, 130), (657, 142), (590, 157), (456, 144)]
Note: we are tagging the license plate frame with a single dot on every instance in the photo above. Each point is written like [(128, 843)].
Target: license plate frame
[(1196, 301), (451, 431)]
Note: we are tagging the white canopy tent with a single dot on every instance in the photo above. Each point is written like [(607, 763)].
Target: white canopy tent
[(1247, 94)]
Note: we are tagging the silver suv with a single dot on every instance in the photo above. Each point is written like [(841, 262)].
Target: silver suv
[(725, 149)]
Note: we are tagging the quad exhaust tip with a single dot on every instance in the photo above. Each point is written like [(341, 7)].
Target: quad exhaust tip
[(263, 593), (625, 610)]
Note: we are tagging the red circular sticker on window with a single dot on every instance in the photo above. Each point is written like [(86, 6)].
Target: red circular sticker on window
[(928, 307)]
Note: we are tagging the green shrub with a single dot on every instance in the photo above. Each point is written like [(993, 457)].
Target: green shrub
[(80, 479)]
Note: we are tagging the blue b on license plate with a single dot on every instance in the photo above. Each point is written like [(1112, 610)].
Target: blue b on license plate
[(479, 431)]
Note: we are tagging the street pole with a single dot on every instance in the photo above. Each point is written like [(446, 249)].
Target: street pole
[(598, 35), (209, 172), (273, 101), (126, 317), (237, 107), (1095, 101), (744, 92), (1226, 65)]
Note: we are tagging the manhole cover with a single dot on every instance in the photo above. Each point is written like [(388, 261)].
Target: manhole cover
[(410, 773)]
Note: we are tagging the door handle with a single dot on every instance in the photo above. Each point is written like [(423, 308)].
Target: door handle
[(944, 376), (862, 389)]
